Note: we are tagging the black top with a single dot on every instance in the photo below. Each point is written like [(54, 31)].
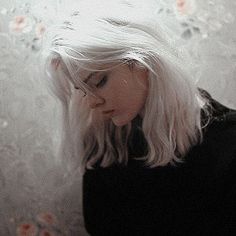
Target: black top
[(197, 197)]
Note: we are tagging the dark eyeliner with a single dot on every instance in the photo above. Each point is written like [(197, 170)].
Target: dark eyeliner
[(102, 82)]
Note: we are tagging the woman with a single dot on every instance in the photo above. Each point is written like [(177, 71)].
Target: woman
[(158, 154)]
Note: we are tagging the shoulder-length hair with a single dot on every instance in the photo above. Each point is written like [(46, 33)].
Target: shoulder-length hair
[(172, 113)]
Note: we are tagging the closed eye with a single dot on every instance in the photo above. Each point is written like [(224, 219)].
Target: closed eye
[(102, 82)]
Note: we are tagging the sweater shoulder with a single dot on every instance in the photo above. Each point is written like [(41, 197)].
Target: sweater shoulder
[(219, 136), (214, 160)]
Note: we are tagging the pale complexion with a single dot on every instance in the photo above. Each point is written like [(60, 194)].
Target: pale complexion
[(120, 93)]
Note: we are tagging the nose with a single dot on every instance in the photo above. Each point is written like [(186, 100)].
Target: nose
[(95, 101)]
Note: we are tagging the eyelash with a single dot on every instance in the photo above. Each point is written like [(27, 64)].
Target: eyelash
[(102, 82)]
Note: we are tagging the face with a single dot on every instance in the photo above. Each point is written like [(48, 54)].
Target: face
[(120, 93)]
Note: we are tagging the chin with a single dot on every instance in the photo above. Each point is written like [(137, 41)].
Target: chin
[(118, 121)]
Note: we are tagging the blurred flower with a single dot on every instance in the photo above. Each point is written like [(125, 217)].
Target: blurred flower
[(46, 232), (20, 24), (39, 30), (27, 229), (46, 218), (185, 7)]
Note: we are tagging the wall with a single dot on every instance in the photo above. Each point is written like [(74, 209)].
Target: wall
[(36, 193)]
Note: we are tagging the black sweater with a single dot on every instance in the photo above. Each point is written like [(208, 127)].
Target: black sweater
[(197, 197)]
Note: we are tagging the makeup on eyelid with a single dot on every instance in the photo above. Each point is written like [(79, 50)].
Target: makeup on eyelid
[(97, 81)]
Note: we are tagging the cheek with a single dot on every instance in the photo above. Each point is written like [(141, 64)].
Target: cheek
[(126, 95), (131, 103), (138, 101), (118, 92), (123, 95)]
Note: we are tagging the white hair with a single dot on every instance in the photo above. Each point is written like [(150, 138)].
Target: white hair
[(172, 113)]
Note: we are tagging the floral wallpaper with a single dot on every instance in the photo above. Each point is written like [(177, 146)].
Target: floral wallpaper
[(38, 197)]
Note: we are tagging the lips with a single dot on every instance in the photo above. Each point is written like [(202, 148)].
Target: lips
[(107, 112)]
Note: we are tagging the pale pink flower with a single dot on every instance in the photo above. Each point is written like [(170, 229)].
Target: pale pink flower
[(20, 24), (46, 218), (39, 30), (185, 7), (27, 229)]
